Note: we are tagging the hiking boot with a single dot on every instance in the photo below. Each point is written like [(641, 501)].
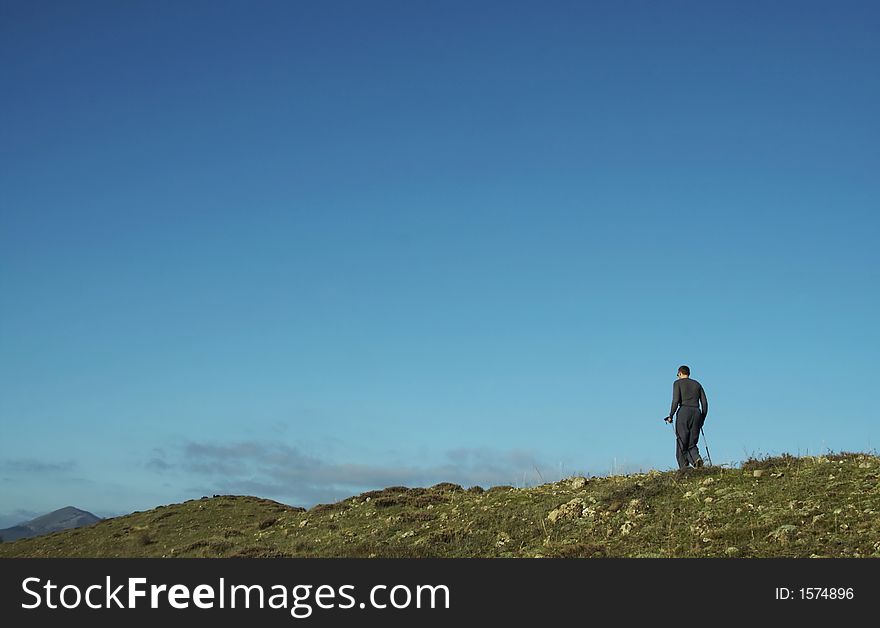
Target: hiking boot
[(698, 463)]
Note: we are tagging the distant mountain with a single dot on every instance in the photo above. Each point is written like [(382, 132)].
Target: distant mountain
[(62, 519)]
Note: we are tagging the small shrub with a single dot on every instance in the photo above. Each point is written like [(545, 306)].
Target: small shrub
[(221, 546), (390, 492), (424, 500), (503, 487), (260, 552), (769, 462), (446, 487), (427, 515), (579, 550), (194, 545)]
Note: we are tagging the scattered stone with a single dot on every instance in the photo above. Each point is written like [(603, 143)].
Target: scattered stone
[(757, 473), (573, 509), (578, 482), (732, 551), (633, 510), (783, 533), (615, 506)]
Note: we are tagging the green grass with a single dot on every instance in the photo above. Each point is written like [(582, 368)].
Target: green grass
[(780, 506)]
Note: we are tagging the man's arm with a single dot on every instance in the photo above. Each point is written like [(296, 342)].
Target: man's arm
[(676, 398), (704, 402)]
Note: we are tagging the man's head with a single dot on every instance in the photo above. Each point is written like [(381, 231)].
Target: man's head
[(684, 371)]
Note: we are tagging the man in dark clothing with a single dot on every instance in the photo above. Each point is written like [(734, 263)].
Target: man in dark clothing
[(687, 397)]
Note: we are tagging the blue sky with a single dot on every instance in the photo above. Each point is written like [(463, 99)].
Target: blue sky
[(302, 250)]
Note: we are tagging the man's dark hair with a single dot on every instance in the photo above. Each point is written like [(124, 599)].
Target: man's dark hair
[(684, 370)]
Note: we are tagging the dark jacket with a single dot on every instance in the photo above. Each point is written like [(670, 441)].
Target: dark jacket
[(688, 392)]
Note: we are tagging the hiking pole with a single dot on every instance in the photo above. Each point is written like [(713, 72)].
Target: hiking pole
[(668, 419), (706, 445)]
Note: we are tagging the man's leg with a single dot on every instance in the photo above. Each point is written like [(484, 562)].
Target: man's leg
[(694, 426), (681, 440)]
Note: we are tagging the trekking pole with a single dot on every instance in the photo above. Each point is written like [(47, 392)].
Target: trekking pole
[(677, 439), (706, 445)]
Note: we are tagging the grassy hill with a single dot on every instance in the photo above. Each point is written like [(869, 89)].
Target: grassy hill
[(782, 506)]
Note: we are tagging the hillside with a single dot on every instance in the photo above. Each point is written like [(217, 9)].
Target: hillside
[(782, 506)]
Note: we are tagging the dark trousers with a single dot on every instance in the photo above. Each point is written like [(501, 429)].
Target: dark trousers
[(688, 421)]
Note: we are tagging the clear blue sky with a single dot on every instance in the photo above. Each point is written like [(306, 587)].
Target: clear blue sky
[(302, 250)]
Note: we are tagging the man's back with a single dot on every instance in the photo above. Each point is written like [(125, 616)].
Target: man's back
[(689, 392)]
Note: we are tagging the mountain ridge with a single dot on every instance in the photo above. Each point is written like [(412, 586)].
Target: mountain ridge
[(64, 518)]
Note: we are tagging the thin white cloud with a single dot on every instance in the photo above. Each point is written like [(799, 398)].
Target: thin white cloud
[(285, 473), (15, 517), (32, 465)]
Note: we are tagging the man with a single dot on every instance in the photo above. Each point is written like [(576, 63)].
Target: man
[(687, 397)]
